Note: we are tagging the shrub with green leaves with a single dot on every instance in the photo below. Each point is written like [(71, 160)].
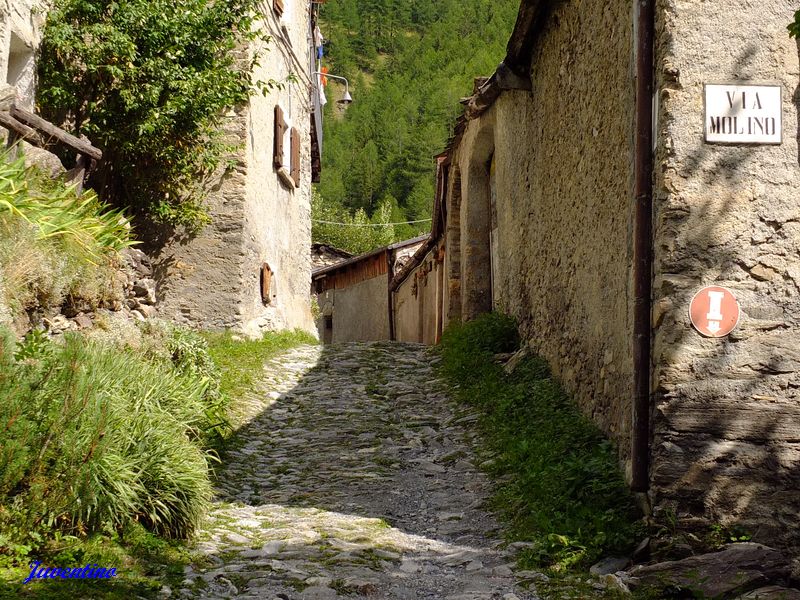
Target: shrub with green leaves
[(794, 26), (149, 81), (561, 486), (92, 436)]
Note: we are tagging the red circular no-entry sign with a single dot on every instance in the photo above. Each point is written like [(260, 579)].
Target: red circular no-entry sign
[(714, 311)]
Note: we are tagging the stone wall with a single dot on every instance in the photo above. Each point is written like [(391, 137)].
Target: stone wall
[(419, 301), (727, 415), (213, 280), (563, 181), (21, 22)]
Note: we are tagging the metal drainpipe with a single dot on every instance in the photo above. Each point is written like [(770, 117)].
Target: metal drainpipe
[(643, 253)]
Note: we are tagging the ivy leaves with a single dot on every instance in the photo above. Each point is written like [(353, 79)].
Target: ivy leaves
[(149, 82), (794, 27)]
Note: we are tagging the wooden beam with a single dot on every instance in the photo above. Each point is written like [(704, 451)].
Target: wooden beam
[(48, 129), (22, 131)]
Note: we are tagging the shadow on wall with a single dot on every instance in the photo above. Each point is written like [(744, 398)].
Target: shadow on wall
[(727, 417)]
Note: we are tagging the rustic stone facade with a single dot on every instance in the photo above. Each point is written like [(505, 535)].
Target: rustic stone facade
[(727, 416), (563, 179), (539, 198), (21, 22), (259, 215)]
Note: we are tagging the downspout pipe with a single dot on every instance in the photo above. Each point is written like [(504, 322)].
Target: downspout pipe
[(643, 244)]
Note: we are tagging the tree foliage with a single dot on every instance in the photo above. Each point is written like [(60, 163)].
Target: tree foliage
[(408, 63), (148, 81), (794, 26), (358, 233)]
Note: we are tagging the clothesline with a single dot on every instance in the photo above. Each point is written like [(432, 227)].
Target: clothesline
[(371, 224)]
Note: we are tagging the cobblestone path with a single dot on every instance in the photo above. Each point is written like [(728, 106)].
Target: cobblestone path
[(354, 477)]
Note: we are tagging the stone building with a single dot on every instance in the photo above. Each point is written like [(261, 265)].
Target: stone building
[(618, 162), (353, 295), (21, 22), (250, 269)]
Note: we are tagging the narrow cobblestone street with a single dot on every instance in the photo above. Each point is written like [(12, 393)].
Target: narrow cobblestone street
[(353, 476)]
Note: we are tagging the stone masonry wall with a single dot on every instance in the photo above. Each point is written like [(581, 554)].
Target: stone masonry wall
[(727, 418), (278, 217), (419, 301), (563, 160), (21, 22), (213, 280)]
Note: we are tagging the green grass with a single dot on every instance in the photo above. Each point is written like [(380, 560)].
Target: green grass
[(241, 360), (561, 488), (144, 563)]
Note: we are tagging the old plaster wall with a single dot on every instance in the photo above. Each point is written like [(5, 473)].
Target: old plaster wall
[(359, 311), (419, 302), (727, 416), (212, 280), (406, 311), (452, 260), (278, 216), (563, 173), (21, 22)]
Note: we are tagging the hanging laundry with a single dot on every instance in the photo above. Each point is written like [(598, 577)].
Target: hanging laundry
[(322, 99), (323, 80), (319, 53), (318, 39)]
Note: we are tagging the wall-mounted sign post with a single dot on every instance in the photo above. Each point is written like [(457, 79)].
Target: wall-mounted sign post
[(714, 311), (743, 114)]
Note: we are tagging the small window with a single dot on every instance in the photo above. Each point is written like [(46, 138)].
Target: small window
[(294, 159), (286, 150), (277, 6), (21, 70)]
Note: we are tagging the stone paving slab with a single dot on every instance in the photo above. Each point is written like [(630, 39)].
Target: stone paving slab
[(353, 477)]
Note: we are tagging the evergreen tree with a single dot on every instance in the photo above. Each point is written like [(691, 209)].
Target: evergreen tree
[(408, 62)]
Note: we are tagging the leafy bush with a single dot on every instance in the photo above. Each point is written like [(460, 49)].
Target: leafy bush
[(81, 223), (561, 486), (149, 81), (92, 436), (794, 26)]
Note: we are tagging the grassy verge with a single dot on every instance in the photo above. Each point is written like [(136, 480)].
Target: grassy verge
[(104, 457), (144, 561), (105, 452), (241, 360), (560, 488)]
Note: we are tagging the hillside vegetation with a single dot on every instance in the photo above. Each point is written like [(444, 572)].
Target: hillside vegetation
[(408, 64)]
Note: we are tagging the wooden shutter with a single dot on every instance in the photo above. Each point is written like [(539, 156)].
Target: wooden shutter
[(295, 151), (266, 284), (277, 6), (280, 129)]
